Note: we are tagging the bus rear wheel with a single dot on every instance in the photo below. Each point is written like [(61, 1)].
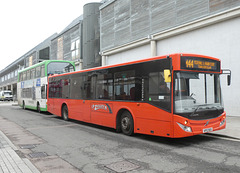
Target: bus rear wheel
[(24, 105), (38, 108), (65, 113), (127, 125)]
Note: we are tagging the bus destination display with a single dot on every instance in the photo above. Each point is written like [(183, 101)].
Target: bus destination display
[(196, 63)]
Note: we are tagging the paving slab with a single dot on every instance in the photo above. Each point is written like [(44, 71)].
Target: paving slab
[(10, 162)]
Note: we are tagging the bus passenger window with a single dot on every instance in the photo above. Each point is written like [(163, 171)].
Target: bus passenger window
[(125, 85), (42, 71), (43, 92), (20, 77), (104, 86), (159, 90), (33, 73), (24, 76), (28, 75), (38, 72)]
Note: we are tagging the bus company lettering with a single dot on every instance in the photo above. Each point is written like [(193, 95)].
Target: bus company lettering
[(99, 107)]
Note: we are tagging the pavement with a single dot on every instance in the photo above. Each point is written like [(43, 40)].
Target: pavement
[(10, 162), (232, 130)]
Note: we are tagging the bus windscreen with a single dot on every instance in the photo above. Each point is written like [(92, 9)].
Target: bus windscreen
[(59, 68)]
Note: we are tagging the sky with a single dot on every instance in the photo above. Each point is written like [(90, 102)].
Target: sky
[(26, 23)]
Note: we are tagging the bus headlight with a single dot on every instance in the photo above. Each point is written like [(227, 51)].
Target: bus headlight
[(222, 122), (185, 128)]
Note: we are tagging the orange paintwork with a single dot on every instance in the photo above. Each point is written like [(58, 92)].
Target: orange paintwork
[(147, 119)]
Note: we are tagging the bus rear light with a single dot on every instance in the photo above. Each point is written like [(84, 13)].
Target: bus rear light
[(185, 128), (222, 122)]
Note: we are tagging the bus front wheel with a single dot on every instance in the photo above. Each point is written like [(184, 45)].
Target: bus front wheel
[(65, 113), (127, 126)]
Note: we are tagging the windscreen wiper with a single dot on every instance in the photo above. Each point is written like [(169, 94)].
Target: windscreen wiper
[(217, 110), (196, 110)]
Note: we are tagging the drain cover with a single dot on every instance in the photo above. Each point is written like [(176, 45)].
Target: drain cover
[(20, 154), (37, 154), (122, 166), (27, 146)]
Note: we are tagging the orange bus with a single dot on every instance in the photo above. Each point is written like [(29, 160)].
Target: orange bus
[(175, 96)]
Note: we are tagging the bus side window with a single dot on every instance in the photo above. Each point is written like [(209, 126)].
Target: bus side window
[(159, 90), (42, 71), (65, 88), (124, 85), (76, 87), (104, 86), (20, 77), (86, 91), (43, 92), (28, 75), (33, 73), (24, 76), (38, 72)]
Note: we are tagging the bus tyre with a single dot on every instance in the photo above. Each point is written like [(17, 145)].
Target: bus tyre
[(38, 108), (24, 105), (65, 113), (127, 126)]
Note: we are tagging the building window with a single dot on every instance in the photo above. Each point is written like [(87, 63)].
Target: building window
[(16, 72), (75, 48), (44, 53), (60, 49), (30, 61)]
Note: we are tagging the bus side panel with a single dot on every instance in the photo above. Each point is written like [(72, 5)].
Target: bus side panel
[(79, 109), (102, 113), (151, 120), (50, 105), (153, 127)]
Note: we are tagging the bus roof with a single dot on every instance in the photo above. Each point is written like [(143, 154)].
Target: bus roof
[(138, 61), (45, 62)]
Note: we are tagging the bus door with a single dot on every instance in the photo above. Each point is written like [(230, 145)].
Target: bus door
[(88, 96), (101, 107)]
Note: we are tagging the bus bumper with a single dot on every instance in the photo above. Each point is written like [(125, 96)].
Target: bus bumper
[(184, 127)]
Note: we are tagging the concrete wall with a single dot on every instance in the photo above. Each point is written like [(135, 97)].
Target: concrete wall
[(123, 21), (138, 53)]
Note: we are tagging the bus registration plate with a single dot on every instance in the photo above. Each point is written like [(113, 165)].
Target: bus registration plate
[(207, 130)]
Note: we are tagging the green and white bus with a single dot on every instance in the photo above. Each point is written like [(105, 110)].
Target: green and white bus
[(32, 83)]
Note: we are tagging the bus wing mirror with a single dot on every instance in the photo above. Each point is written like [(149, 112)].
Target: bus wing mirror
[(228, 72), (228, 80), (167, 76)]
